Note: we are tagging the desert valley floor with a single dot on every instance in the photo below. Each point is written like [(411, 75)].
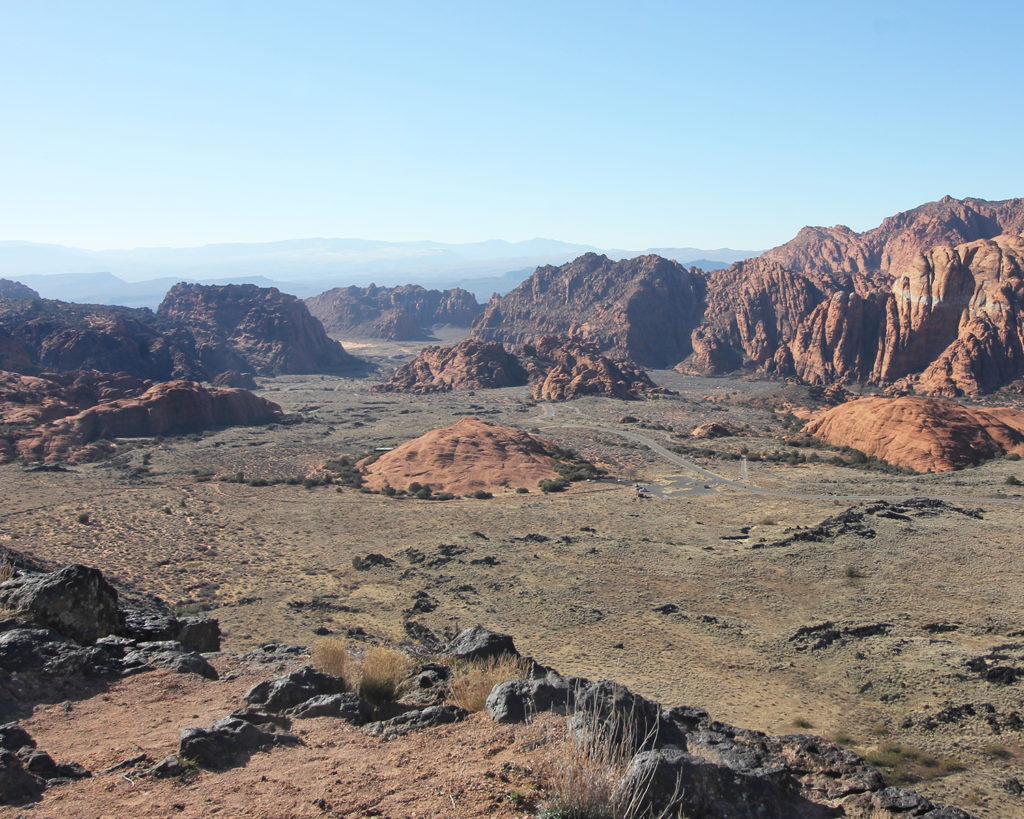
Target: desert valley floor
[(718, 594)]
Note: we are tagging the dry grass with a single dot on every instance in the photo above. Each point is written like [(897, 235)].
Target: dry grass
[(584, 772), (473, 681), (330, 655), (382, 673), (903, 764), (6, 570)]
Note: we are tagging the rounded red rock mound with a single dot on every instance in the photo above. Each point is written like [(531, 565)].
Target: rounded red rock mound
[(923, 434), (464, 457)]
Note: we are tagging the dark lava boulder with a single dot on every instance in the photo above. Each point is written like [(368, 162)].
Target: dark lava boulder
[(293, 688), (75, 601), (479, 643)]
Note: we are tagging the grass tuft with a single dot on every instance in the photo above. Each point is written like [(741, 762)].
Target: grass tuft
[(330, 655), (473, 681), (382, 673)]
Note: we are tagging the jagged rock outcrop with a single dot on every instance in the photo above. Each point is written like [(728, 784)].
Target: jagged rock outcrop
[(642, 309), (42, 419), (16, 290), (397, 313), (464, 457), (935, 291), (869, 260), (923, 434), (563, 368), (259, 329), (468, 365), (713, 429), (962, 310), (930, 301), (43, 334), (233, 378), (681, 762)]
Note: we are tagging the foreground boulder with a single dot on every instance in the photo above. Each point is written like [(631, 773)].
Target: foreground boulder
[(293, 688), (229, 741), (26, 771), (479, 643), (680, 762), (195, 633), (75, 601), (417, 720)]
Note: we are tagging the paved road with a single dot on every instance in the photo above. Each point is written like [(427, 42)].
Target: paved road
[(548, 419)]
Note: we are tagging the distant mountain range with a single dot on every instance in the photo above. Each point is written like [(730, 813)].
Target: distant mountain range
[(302, 267)]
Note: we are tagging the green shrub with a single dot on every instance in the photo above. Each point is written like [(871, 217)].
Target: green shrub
[(548, 485)]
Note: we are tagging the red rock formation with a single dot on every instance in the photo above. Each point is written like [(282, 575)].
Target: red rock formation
[(468, 365), (465, 457), (932, 292), (839, 340), (642, 309), (361, 311), (563, 368), (43, 334), (713, 429), (923, 434), (397, 325), (752, 309), (244, 327), (59, 417), (868, 261), (233, 378)]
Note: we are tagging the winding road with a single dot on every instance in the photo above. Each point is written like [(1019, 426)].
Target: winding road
[(549, 420)]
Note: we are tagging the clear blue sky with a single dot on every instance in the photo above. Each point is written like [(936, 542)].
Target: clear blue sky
[(618, 124)]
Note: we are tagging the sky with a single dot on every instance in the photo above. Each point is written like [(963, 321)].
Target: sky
[(629, 125)]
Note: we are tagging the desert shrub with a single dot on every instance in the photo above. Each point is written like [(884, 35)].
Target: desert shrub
[(330, 655), (802, 723), (381, 675), (348, 474), (444, 496), (903, 764), (1012, 480), (202, 475), (388, 490), (853, 572), (6, 570), (522, 490), (83, 517), (481, 494), (423, 493), (473, 681), (548, 485), (1013, 456), (415, 487)]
